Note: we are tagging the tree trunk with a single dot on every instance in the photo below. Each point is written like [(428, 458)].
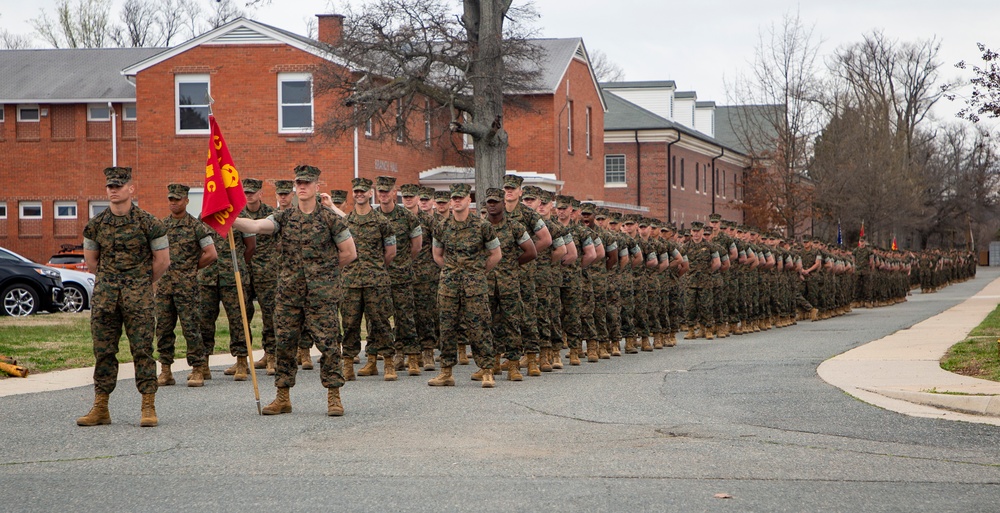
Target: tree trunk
[(483, 20)]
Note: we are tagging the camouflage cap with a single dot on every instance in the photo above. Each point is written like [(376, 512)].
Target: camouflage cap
[(615, 218), (530, 192), (697, 225), (252, 185), (643, 221), (512, 181), (338, 196), (283, 186), (544, 196), (117, 176), (361, 184), (409, 189), (715, 217), (576, 203), (442, 196), (426, 193), (305, 173), (602, 213), (493, 194), (177, 191), (563, 201), (630, 218), (460, 190), (588, 208), (385, 183)]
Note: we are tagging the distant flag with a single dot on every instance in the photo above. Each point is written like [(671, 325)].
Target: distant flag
[(840, 234), (861, 236), (894, 245), (223, 198)]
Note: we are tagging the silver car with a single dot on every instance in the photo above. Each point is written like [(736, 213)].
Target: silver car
[(78, 287)]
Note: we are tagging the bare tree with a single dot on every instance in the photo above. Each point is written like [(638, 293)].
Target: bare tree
[(140, 25), (224, 11), (985, 97), (605, 69), (170, 20), (416, 59), (11, 41), (777, 122), (84, 25), (193, 17)]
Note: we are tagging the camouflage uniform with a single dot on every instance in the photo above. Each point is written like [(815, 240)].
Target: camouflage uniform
[(405, 227), (264, 272), (700, 254), (570, 293), (218, 284), (123, 293), (504, 289), (425, 283), (175, 297), (462, 295), (596, 275), (550, 278), (528, 281)]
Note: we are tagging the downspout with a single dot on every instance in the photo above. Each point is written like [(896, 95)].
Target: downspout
[(114, 135), (714, 185), (355, 152), (670, 178), (638, 171)]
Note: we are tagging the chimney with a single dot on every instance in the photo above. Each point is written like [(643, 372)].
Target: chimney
[(330, 28)]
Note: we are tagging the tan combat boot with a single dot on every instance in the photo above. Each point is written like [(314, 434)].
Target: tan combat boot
[(348, 370), (557, 362), (545, 360), (206, 371), (574, 357), (645, 345), (488, 378), (370, 368), (305, 359), (166, 378), (690, 333), (428, 359), (478, 375), (148, 417), (604, 350), (738, 329), (592, 354), (231, 370), (534, 370), (242, 371), (513, 371), (281, 403), (399, 361), (98, 414), (814, 314), (334, 408), (616, 349), (630, 347), (658, 341), (194, 379), (709, 333), (262, 363), (671, 340), (389, 366), (413, 365), (463, 357), (444, 379), (271, 364)]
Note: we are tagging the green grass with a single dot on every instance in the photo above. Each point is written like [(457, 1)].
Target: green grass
[(978, 355)]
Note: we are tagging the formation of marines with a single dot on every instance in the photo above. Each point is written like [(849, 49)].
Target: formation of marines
[(531, 276)]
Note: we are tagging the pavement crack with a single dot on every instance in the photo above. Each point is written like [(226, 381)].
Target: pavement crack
[(88, 458), (570, 417)]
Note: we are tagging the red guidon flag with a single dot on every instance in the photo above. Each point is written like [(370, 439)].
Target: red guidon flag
[(224, 198)]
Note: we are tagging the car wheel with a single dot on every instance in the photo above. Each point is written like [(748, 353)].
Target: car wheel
[(74, 298), (19, 300)]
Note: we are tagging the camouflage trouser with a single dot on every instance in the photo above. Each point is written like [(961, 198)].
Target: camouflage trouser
[(211, 296), (317, 317), (640, 316), (375, 304), (613, 311), (588, 331), (113, 306), (426, 313), (471, 314), (653, 306), (404, 329), (543, 314), (506, 314), (264, 291), (700, 306), (601, 310), (569, 299), (676, 307), (555, 317), (627, 308), (529, 320), (181, 305)]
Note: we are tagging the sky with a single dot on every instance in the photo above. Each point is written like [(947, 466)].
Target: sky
[(701, 45)]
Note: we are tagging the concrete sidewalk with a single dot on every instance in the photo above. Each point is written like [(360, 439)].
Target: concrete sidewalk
[(901, 372)]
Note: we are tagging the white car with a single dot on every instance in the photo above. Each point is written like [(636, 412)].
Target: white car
[(78, 287)]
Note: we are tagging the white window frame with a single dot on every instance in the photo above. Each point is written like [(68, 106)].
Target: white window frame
[(368, 127), (92, 204), (295, 77), (90, 112), (400, 122), (35, 204), (427, 122), (57, 215), (569, 126), (588, 132), (2, 111), (21, 108), (125, 108), (3, 210), (468, 143), (624, 170), (189, 79)]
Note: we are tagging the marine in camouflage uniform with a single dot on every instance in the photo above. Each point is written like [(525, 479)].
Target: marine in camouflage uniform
[(366, 285), (549, 275), (313, 240), (671, 262), (263, 272), (607, 302), (640, 261), (466, 248), (570, 292), (595, 287), (704, 261), (191, 247), (425, 276), (217, 283), (616, 254), (409, 233), (128, 249), (503, 283)]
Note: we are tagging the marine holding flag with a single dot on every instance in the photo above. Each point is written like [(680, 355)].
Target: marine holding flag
[(313, 240)]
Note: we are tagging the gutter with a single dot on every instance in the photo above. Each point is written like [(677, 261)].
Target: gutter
[(714, 174), (670, 177), (638, 170), (114, 135)]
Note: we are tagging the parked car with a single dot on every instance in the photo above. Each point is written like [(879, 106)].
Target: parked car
[(27, 287), (78, 287), (70, 256)]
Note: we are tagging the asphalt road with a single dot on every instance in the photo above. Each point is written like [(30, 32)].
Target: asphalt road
[(745, 416)]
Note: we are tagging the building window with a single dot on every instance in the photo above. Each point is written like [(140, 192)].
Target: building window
[(722, 180), (368, 127), (614, 169), (704, 180), (569, 127), (1, 112), (31, 209), (65, 209), (96, 207), (128, 112), (697, 178), (295, 100), (29, 113), (3, 210), (682, 173), (588, 131), (400, 122), (98, 112), (427, 122), (673, 171), (192, 104), (468, 143)]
